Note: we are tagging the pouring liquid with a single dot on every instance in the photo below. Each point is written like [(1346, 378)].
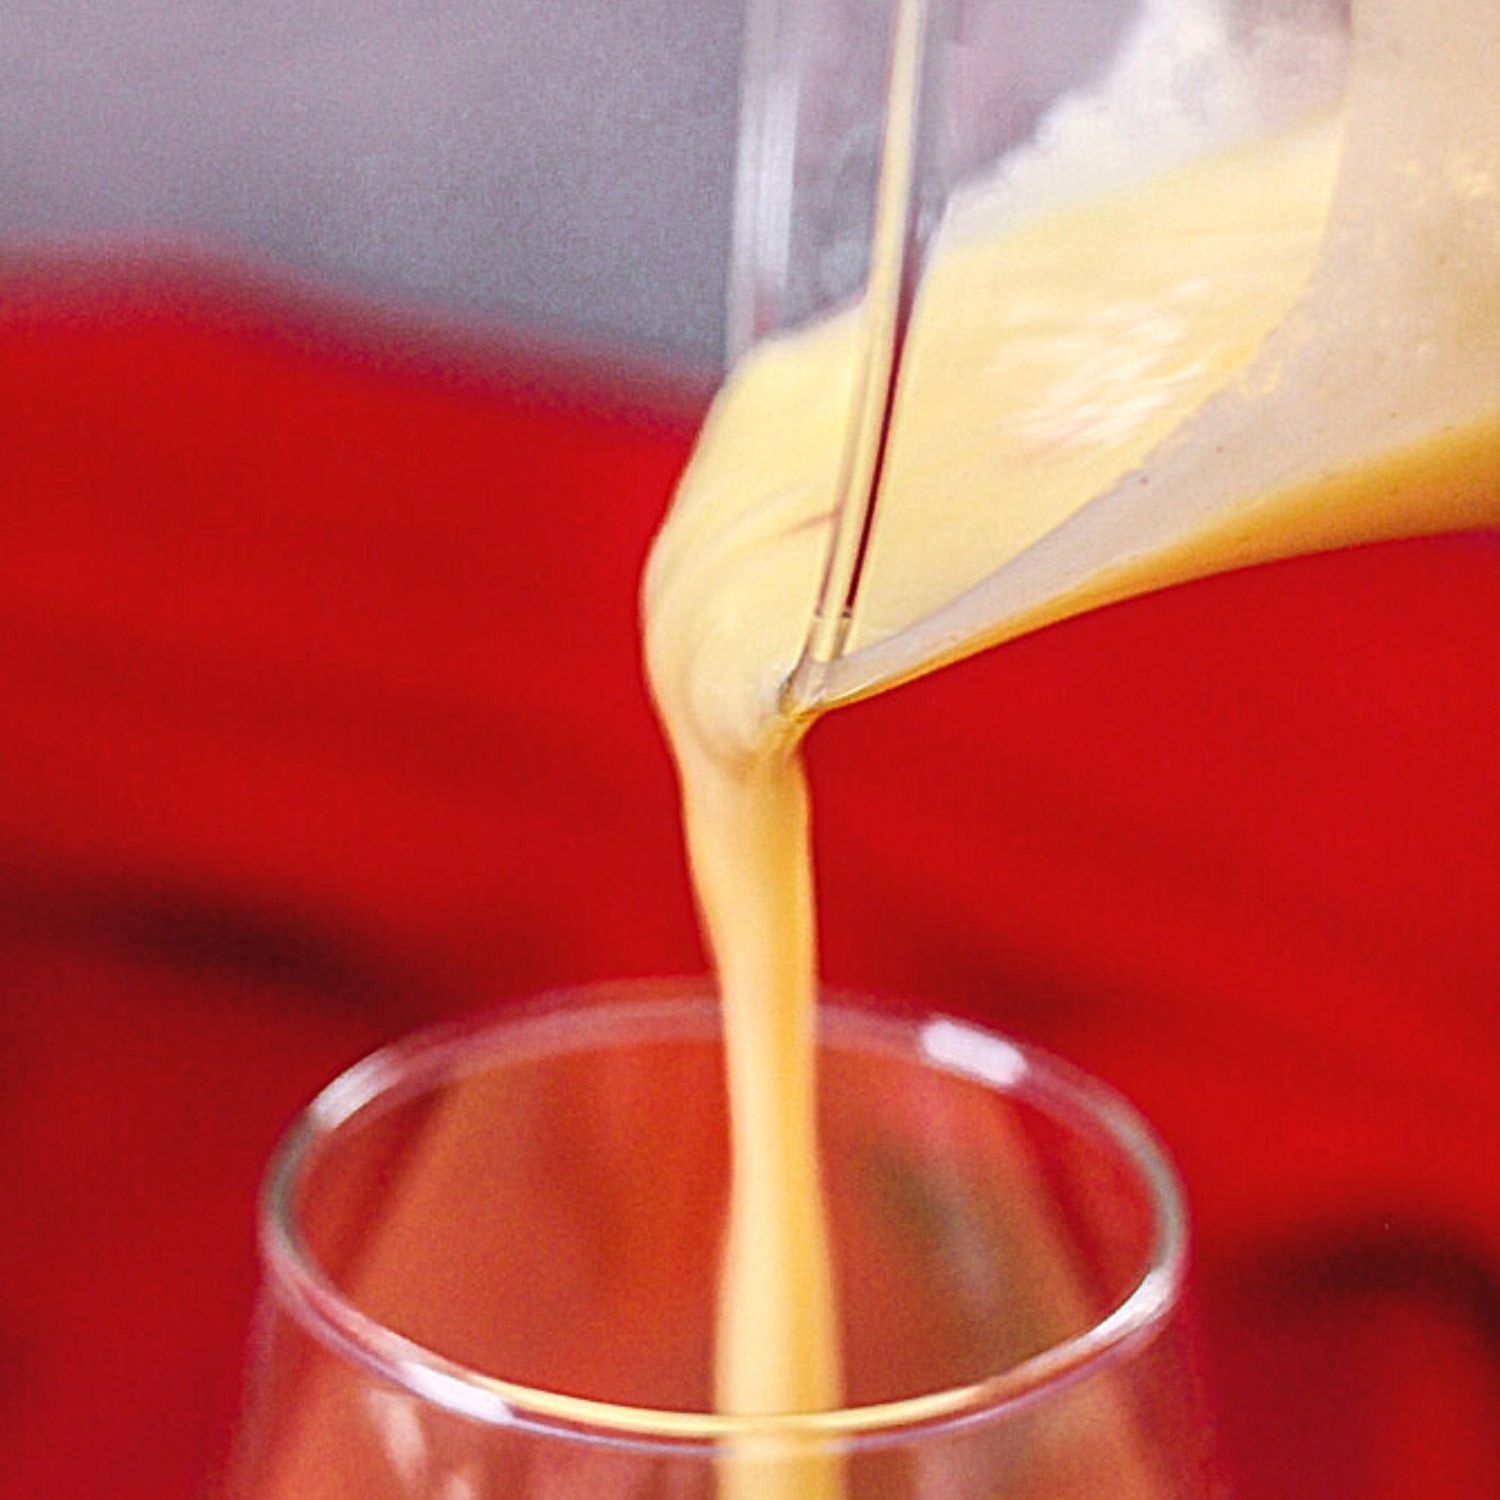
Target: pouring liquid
[(1290, 347)]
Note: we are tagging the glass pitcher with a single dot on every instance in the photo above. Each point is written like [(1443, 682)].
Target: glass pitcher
[(1121, 297)]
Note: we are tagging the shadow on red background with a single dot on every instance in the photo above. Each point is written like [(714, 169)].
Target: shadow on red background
[(321, 717)]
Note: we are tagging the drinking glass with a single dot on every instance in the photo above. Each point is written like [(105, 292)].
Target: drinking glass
[(490, 1261)]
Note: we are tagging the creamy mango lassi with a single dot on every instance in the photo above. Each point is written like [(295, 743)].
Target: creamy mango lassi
[(1291, 346)]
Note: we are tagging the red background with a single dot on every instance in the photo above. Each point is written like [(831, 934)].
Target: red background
[(320, 716)]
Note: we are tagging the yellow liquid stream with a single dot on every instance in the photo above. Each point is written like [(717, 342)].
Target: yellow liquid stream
[(1286, 348)]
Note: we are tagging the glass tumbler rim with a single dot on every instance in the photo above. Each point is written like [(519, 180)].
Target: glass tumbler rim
[(569, 1019)]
